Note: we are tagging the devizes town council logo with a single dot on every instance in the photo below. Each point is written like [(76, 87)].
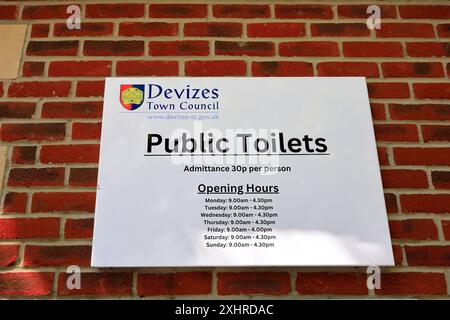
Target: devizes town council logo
[(131, 95)]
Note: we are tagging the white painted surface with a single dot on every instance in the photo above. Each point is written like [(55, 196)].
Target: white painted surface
[(331, 208)]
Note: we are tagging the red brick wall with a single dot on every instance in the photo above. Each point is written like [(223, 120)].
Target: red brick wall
[(51, 117)]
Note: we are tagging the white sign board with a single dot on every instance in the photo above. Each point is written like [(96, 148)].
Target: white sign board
[(239, 172)]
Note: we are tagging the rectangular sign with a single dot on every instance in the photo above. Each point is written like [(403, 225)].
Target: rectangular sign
[(239, 172)]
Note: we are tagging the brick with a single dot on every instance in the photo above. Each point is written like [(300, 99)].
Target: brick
[(377, 111), (83, 130), (215, 68), (413, 229), (424, 12), (15, 202), (56, 256), (273, 30), (88, 29), (29, 228), (282, 69), (39, 89), (432, 90), (115, 10), (98, 284), (213, 29), (372, 49), (26, 283), (16, 109), (428, 255), (79, 228), (242, 11), (428, 49), (179, 48), (242, 48), (443, 30), (40, 30), (36, 177), (419, 111), (382, 155), (45, 12), (339, 30), (8, 254), (328, 283), (83, 177), (412, 283), (446, 228), (396, 132), (147, 68), (148, 29), (422, 156), (63, 201), (180, 283), (98, 68), (70, 110), (52, 48), (33, 69), (309, 49), (388, 90), (113, 48), (8, 12), (430, 203), (441, 179), (360, 11), (177, 10), (75, 153), (339, 69), (398, 255), (272, 283), (406, 30), (287, 11), (90, 88), (404, 179), (435, 133), (32, 131), (391, 203), (24, 155), (412, 69)]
